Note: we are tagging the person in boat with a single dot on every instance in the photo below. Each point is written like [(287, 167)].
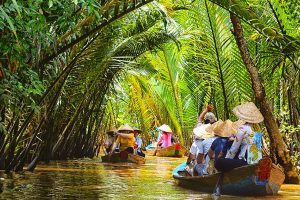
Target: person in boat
[(109, 141), (138, 142), (216, 147), (165, 138), (206, 116), (201, 135), (205, 119), (125, 138), (246, 147)]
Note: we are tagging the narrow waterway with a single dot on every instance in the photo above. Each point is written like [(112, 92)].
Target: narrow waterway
[(91, 179)]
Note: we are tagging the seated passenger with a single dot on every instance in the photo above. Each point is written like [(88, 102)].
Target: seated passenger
[(138, 142), (165, 138), (110, 139), (248, 142), (200, 135), (205, 119), (125, 139), (220, 145)]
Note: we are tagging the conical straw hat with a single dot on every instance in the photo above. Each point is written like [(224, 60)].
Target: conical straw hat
[(125, 127), (237, 124), (137, 129), (210, 129), (165, 128), (201, 133), (225, 129), (248, 112), (113, 130)]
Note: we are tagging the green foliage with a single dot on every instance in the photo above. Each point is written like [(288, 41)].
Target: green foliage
[(71, 69)]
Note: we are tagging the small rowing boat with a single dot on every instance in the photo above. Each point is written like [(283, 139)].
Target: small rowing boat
[(150, 149), (263, 178), (176, 150), (117, 157)]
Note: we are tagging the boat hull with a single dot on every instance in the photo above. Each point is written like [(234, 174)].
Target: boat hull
[(150, 151), (250, 180), (171, 151), (131, 158)]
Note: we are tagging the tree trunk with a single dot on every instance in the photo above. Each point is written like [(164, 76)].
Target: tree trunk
[(276, 141), (2, 135)]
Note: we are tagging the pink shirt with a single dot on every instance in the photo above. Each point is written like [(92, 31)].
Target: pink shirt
[(165, 139)]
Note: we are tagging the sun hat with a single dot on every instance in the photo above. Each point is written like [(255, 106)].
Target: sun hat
[(112, 131), (165, 128), (225, 129), (137, 129), (210, 128), (211, 117), (237, 124), (248, 112), (125, 127), (201, 133)]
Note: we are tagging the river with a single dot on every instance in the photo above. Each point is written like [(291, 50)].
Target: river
[(91, 179)]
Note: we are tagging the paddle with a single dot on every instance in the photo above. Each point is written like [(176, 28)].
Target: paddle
[(154, 153), (218, 188)]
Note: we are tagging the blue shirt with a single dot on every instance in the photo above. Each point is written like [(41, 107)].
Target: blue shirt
[(138, 141), (221, 144)]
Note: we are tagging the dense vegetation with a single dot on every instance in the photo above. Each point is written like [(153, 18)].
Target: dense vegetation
[(70, 70)]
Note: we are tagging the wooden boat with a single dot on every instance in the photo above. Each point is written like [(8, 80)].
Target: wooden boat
[(264, 178), (136, 158), (133, 158), (150, 149), (175, 150)]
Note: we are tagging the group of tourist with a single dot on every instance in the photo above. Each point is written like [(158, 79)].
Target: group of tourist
[(228, 144), (127, 139), (124, 140)]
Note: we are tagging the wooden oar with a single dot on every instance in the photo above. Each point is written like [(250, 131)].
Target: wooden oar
[(155, 151), (218, 188)]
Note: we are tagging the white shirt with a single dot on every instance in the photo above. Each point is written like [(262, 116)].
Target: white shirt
[(195, 146), (205, 145), (241, 140)]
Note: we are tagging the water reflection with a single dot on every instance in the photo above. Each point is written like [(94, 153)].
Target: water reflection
[(91, 179)]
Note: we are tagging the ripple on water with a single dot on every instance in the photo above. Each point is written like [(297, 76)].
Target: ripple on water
[(91, 179)]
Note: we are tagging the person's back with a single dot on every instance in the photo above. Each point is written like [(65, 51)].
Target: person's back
[(108, 143), (138, 142), (110, 138), (166, 139), (219, 148)]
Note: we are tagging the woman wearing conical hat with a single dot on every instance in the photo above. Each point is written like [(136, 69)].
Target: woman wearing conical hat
[(247, 142), (166, 136), (109, 141), (125, 139)]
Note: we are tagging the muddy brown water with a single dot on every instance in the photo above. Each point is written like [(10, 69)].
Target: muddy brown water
[(91, 179)]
